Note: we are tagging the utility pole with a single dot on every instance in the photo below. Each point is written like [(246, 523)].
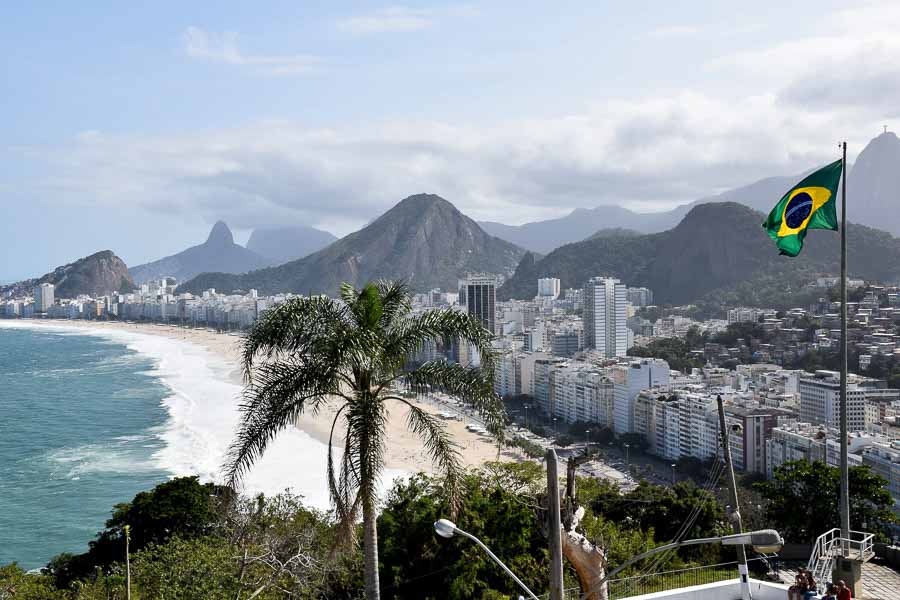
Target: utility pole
[(127, 562), (554, 527), (735, 507)]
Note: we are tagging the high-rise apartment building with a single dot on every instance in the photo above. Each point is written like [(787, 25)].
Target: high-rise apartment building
[(820, 397), (605, 317), (548, 287), (629, 379), (43, 297), (640, 296), (481, 298)]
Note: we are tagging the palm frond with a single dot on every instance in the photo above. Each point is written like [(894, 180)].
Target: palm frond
[(441, 448), (410, 333), (474, 386), (281, 391), (342, 490), (395, 301), (293, 327), (366, 425)]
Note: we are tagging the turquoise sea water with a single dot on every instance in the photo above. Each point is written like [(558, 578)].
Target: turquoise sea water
[(80, 419)]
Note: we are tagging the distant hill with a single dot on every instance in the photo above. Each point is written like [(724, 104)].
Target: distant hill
[(718, 250), (284, 244), (217, 253), (873, 188), (614, 232), (424, 240), (100, 273), (544, 236), (873, 198)]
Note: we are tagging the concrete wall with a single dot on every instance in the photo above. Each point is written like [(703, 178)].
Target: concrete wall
[(724, 590)]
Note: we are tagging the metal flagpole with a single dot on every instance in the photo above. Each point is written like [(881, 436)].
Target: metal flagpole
[(845, 476)]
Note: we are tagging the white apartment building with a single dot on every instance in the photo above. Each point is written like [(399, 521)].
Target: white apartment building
[(582, 392), (681, 424), (748, 315), (884, 459), (629, 379), (43, 297), (548, 287), (640, 296), (605, 316), (820, 399)]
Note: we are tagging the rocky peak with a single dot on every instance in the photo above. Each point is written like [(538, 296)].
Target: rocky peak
[(220, 235)]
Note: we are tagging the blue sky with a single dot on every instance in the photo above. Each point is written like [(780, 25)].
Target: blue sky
[(134, 128)]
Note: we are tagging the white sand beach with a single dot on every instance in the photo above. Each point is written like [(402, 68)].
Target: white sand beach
[(405, 452)]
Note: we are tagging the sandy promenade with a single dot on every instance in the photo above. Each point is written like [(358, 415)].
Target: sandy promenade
[(404, 452)]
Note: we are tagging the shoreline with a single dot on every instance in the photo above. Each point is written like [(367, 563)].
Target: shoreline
[(404, 455)]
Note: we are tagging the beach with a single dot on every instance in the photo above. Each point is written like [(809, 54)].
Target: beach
[(203, 369)]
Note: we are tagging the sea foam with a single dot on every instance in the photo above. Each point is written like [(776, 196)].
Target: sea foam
[(203, 408)]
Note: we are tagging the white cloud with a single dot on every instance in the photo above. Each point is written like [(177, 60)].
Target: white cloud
[(648, 153), (223, 48), (398, 19)]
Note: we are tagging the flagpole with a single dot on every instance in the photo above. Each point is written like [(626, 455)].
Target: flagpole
[(845, 476)]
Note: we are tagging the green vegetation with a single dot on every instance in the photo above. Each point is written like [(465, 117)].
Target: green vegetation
[(815, 487), (675, 351), (308, 352), (276, 547)]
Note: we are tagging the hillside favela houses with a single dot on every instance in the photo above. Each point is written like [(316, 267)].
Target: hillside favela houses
[(582, 360)]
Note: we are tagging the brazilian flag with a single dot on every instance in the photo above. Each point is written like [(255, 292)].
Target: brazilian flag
[(808, 205)]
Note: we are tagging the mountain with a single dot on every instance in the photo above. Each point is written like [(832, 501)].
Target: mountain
[(873, 188), (544, 236), (614, 232), (100, 273), (217, 253), (424, 240), (284, 244), (718, 250)]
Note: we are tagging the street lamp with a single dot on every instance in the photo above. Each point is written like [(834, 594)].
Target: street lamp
[(673, 474), (627, 461), (526, 416), (587, 433), (445, 528), (764, 541)]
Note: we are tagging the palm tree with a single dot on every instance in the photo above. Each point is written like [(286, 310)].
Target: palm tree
[(311, 352)]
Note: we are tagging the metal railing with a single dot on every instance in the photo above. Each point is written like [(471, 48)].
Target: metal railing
[(830, 545)]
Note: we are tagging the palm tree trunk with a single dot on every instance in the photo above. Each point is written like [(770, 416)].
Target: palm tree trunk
[(370, 547)]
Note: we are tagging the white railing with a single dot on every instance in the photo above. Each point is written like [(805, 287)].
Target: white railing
[(830, 545)]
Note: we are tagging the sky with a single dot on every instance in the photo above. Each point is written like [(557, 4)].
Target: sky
[(135, 126)]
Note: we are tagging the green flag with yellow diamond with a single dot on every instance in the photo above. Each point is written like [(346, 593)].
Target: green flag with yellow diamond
[(808, 205)]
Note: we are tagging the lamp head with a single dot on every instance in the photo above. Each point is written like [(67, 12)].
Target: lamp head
[(764, 541), (444, 528)]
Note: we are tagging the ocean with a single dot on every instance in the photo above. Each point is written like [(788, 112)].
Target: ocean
[(90, 417)]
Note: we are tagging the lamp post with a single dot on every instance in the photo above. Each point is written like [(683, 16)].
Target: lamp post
[(627, 461), (587, 442), (673, 474), (555, 428), (445, 528), (764, 541), (526, 415)]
